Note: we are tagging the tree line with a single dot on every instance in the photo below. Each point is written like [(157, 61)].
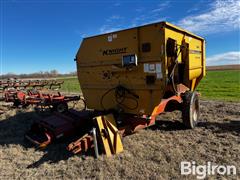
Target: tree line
[(42, 74)]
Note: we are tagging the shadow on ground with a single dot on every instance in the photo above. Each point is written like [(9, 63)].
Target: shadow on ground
[(232, 126), (167, 125), (14, 127), (222, 127)]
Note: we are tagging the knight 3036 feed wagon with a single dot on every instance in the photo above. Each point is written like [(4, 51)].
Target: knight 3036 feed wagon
[(128, 78)]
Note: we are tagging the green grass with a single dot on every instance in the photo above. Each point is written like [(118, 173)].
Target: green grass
[(219, 85), (70, 85)]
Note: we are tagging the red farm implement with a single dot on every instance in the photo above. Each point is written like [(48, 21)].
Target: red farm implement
[(57, 101), (30, 92), (29, 84)]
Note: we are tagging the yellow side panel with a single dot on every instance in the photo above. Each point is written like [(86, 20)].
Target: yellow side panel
[(195, 53), (99, 65), (195, 65), (100, 72)]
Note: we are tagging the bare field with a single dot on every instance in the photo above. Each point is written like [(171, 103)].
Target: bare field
[(224, 67), (154, 153)]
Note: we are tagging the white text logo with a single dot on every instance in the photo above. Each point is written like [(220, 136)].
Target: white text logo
[(201, 171)]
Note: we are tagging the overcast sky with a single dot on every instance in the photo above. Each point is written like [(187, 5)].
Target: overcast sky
[(40, 35)]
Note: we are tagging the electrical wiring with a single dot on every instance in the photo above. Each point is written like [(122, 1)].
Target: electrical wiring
[(121, 94)]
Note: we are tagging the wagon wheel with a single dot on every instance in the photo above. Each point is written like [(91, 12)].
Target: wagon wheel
[(190, 109), (60, 107), (80, 101)]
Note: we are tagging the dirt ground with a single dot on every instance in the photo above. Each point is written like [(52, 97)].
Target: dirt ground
[(154, 153)]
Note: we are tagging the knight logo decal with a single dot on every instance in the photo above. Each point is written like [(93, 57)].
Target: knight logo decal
[(114, 51)]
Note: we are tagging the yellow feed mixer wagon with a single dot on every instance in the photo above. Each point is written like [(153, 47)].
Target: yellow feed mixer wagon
[(129, 77)]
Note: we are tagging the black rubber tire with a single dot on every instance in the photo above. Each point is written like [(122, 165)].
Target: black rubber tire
[(190, 109), (61, 107)]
